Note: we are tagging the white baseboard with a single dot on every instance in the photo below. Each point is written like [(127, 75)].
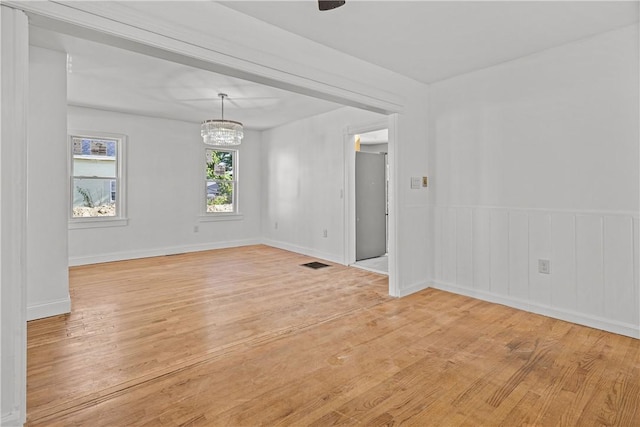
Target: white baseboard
[(11, 419), (146, 253), (304, 251), (584, 319), (412, 289), (49, 308)]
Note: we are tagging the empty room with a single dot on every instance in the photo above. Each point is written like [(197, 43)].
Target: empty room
[(191, 193)]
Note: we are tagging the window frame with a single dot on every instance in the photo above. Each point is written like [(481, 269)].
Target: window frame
[(220, 216), (120, 218)]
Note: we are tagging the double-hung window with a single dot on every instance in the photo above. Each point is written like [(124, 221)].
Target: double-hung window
[(221, 181), (96, 181)]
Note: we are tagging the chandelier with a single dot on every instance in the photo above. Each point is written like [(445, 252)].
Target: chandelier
[(221, 132)]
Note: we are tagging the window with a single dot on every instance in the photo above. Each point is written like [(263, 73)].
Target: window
[(96, 178), (221, 181)]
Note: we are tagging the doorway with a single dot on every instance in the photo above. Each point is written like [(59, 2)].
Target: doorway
[(371, 193), (371, 205)]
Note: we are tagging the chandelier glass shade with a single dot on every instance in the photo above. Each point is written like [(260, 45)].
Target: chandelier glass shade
[(221, 132)]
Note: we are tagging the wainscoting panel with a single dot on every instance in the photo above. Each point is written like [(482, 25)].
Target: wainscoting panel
[(438, 214), (464, 250), (493, 253), (563, 265), (500, 252), (449, 241), (519, 255), (539, 248), (619, 295), (482, 250), (589, 265)]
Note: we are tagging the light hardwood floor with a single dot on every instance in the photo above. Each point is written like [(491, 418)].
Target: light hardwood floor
[(246, 336)]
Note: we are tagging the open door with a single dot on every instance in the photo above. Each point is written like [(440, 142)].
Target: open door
[(371, 216)]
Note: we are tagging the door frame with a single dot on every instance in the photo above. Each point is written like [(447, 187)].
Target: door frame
[(349, 216)]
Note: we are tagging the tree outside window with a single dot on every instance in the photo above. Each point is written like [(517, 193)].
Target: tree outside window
[(221, 181)]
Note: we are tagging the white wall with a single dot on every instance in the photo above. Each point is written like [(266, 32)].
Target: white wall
[(47, 186), (303, 182), (534, 159), (165, 160)]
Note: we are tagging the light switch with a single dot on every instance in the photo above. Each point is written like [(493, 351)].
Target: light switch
[(416, 181)]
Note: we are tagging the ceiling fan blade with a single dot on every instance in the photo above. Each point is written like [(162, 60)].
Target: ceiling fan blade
[(329, 4)]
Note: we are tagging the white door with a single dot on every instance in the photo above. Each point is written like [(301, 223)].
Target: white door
[(371, 217)]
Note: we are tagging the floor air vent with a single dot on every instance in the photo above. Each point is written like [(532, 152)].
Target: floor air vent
[(315, 265)]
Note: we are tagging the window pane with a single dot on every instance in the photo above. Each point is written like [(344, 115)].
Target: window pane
[(94, 167), (220, 195), (220, 181), (219, 164), (94, 197), (94, 147), (94, 157)]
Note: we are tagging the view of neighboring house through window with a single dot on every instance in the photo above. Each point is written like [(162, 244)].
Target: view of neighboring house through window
[(221, 181), (95, 176)]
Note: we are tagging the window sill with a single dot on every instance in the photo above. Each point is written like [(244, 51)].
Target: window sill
[(78, 223), (212, 217)]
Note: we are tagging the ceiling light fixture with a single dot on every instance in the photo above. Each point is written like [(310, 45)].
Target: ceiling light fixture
[(328, 4), (222, 132)]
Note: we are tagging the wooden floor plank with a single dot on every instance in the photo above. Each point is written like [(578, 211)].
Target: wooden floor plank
[(246, 336)]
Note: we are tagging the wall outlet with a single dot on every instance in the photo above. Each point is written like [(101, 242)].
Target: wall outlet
[(544, 266), (416, 182), (196, 228), (324, 233), (425, 181), (275, 225)]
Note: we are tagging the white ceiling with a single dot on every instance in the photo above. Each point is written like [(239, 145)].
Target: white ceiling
[(110, 78), (425, 40), (434, 40)]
